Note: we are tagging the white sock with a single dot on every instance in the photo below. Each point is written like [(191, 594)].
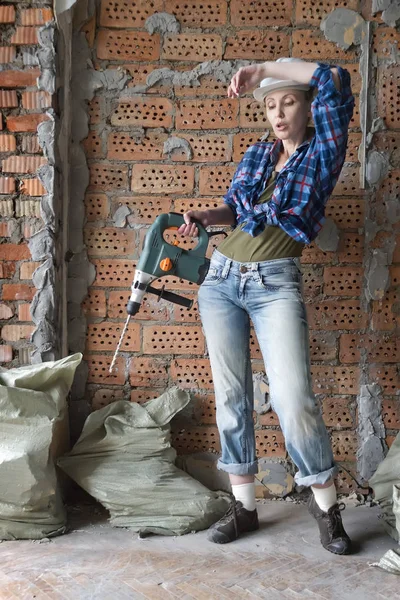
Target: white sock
[(246, 494), (325, 497)]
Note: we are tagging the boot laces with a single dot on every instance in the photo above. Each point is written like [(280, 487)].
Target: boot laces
[(335, 526), (230, 514)]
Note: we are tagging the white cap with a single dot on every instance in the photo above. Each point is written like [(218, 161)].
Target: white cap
[(270, 84)]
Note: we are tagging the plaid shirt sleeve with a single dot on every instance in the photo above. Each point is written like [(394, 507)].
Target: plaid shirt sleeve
[(332, 110)]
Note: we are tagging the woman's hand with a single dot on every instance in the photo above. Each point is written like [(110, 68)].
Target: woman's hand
[(246, 79), (190, 228)]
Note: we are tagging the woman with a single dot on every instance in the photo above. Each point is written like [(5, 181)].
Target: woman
[(276, 201)]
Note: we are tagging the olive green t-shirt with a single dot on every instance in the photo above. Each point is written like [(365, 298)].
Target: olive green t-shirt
[(271, 244)]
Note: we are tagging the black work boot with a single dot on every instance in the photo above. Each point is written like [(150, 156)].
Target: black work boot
[(236, 521), (332, 534)]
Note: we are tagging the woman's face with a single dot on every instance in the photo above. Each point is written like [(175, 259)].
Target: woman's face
[(288, 111)]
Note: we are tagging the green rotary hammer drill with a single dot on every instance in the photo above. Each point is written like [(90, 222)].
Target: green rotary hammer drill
[(160, 258)]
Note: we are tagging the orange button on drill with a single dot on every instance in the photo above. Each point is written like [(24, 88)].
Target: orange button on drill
[(166, 264)]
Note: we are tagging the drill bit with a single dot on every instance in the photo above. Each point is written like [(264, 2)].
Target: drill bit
[(119, 344)]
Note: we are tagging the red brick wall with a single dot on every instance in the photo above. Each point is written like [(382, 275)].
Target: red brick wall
[(22, 108), (165, 345)]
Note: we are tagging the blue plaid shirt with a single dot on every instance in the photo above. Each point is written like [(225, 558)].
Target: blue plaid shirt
[(306, 181)]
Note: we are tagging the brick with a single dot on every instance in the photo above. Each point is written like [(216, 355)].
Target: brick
[(209, 86), (4, 229), (343, 281), (27, 269), (98, 367), (36, 16), (32, 187), (344, 445), (312, 13), (335, 380), (35, 100), (205, 148), (337, 314), (389, 142), (95, 110), (353, 145), (8, 99), (207, 114), (323, 346), (355, 119), (385, 313), (7, 143), (110, 241), (104, 397), (93, 145), (256, 44), (14, 333), (351, 248), (14, 252), (204, 409), (196, 439), (141, 396), (182, 314), (18, 291), (25, 36), (142, 112), (96, 207), (312, 281), (192, 373), (125, 146), (391, 413), (24, 312), (7, 270), (156, 179), (252, 114), (5, 353), (261, 11), (7, 14), (377, 349), (387, 97), (129, 45), (7, 54), (108, 177), (215, 180), (32, 227), (30, 145), (5, 313), (313, 255), (148, 372), (94, 304), (6, 206), (103, 337), (192, 47), (346, 212), (150, 310), (336, 413), (243, 141), (270, 442), (171, 339), (354, 70), (113, 273), (144, 209), (26, 123), (89, 29), (195, 13), (139, 74), (27, 208), (115, 13), (22, 164), (7, 185), (182, 205), (311, 44), (386, 42)]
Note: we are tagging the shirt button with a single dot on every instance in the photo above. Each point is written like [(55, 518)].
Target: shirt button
[(243, 269)]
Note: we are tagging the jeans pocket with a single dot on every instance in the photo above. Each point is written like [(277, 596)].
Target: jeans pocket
[(285, 280), (213, 277)]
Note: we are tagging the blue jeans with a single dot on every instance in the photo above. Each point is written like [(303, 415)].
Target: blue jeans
[(270, 294)]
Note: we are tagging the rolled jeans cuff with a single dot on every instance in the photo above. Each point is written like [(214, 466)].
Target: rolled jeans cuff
[(239, 469), (319, 478)]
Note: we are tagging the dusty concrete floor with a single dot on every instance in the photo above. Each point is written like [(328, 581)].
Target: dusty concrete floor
[(282, 560)]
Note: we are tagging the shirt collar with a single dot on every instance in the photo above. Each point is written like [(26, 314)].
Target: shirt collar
[(277, 147)]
